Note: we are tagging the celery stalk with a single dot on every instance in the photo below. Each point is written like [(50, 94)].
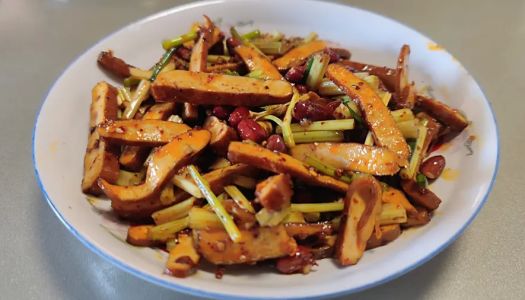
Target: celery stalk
[(312, 36), (415, 159), (276, 121), (186, 184), (139, 73), (239, 198), (219, 210), (352, 107), (163, 61), (141, 94), (287, 131), (125, 94), (174, 212), (251, 35), (178, 41), (421, 180), (131, 81), (317, 136), (317, 70), (201, 218), (294, 217), (369, 140), (408, 128), (220, 163), (328, 125), (218, 58), (402, 115), (256, 74), (270, 218), (392, 214), (168, 230), (270, 47)]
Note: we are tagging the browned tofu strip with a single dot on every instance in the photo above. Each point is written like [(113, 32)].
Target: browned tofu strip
[(376, 114), (257, 244), (133, 157), (183, 258), (299, 55), (418, 218), (159, 111), (386, 74), (113, 64), (275, 192), (350, 157), (304, 230), (405, 90), (362, 205), (149, 133), (419, 195), (219, 89), (221, 135), (104, 105), (255, 60), (140, 236), (442, 112), (100, 160), (199, 52), (198, 63), (263, 158), (163, 165), (218, 68), (388, 234)]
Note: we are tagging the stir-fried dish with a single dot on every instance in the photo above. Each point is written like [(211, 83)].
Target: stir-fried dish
[(262, 148)]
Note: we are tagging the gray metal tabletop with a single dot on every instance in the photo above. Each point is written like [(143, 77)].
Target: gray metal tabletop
[(40, 259)]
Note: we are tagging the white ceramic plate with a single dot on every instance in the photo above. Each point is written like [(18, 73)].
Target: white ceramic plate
[(62, 125)]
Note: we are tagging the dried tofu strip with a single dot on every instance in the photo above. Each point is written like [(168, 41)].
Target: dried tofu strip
[(100, 160), (442, 112), (149, 133), (405, 89), (161, 168), (183, 257), (350, 157), (299, 55), (218, 89), (198, 63), (376, 114), (362, 206), (257, 244), (255, 60), (263, 158), (133, 157), (386, 74), (104, 104)]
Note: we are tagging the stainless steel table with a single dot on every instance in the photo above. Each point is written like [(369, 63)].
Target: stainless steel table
[(40, 259)]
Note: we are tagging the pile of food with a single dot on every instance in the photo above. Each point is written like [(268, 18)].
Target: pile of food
[(264, 148)]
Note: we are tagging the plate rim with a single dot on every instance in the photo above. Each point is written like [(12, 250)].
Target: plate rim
[(174, 286)]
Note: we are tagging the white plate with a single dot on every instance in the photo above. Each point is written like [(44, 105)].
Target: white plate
[(62, 125)]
